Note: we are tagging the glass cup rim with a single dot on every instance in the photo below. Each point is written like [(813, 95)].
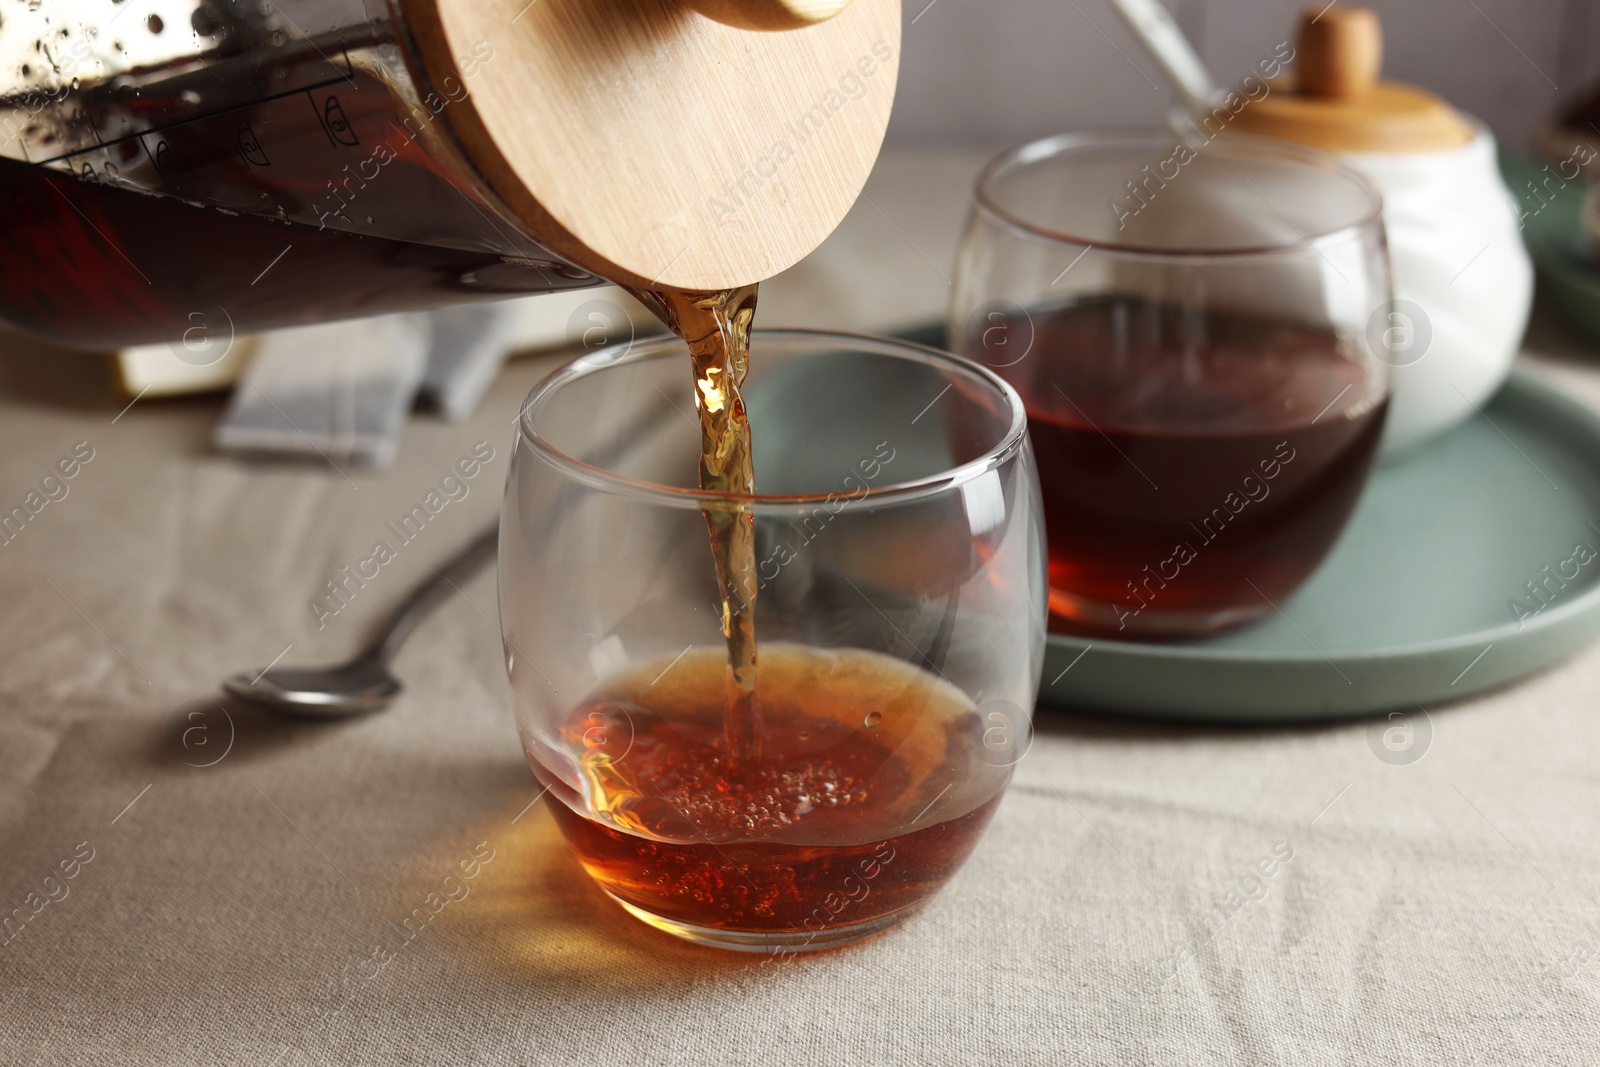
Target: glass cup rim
[(668, 345), (1057, 145)]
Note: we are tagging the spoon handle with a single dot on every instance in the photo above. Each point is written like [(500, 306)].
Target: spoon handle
[(1167, 45), (440, 584)]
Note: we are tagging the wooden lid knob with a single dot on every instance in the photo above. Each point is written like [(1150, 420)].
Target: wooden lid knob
[(1339, 51), (1334, 99), (652, 145), (768, 14)]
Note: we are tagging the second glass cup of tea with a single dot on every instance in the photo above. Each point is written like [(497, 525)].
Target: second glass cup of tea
[(1191, 328), (899, 618)]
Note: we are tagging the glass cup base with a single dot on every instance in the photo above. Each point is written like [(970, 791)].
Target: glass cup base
[(1077, 614), (765, 941)]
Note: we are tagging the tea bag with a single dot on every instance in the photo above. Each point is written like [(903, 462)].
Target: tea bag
[(470, 342), (340, 391), (468, 345)]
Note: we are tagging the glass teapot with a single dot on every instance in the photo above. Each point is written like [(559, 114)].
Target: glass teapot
[(167, 165)]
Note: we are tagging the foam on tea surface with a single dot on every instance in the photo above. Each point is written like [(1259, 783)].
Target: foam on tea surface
[(866, 760)]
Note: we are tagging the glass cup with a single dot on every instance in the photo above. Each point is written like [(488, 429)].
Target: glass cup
[(899, 614), (1192, 328)]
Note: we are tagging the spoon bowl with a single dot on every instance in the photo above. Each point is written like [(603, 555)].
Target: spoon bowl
[(356, 688), (363, 684)]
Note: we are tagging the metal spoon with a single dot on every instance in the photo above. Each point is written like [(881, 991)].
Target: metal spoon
[(1161, 37), (363, 684)]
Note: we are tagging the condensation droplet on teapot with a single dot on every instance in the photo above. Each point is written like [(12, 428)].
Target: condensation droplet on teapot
[(873, 718)]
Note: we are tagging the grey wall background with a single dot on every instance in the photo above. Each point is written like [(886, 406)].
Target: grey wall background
[(993, 72)]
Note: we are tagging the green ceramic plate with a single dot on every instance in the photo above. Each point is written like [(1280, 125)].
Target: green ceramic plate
[(1553, 232), (1425, 598)]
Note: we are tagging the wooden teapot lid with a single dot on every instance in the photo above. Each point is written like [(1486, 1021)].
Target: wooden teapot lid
[(1334, 100), (658, 146), (769, 14)]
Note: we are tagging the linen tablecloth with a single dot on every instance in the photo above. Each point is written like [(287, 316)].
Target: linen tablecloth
[(186, 886)]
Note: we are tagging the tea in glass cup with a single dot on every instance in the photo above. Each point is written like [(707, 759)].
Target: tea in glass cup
[(1188, 327), (898, 607)]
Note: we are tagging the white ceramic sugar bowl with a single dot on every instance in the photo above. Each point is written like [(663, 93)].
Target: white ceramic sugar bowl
[(1463, 281)]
